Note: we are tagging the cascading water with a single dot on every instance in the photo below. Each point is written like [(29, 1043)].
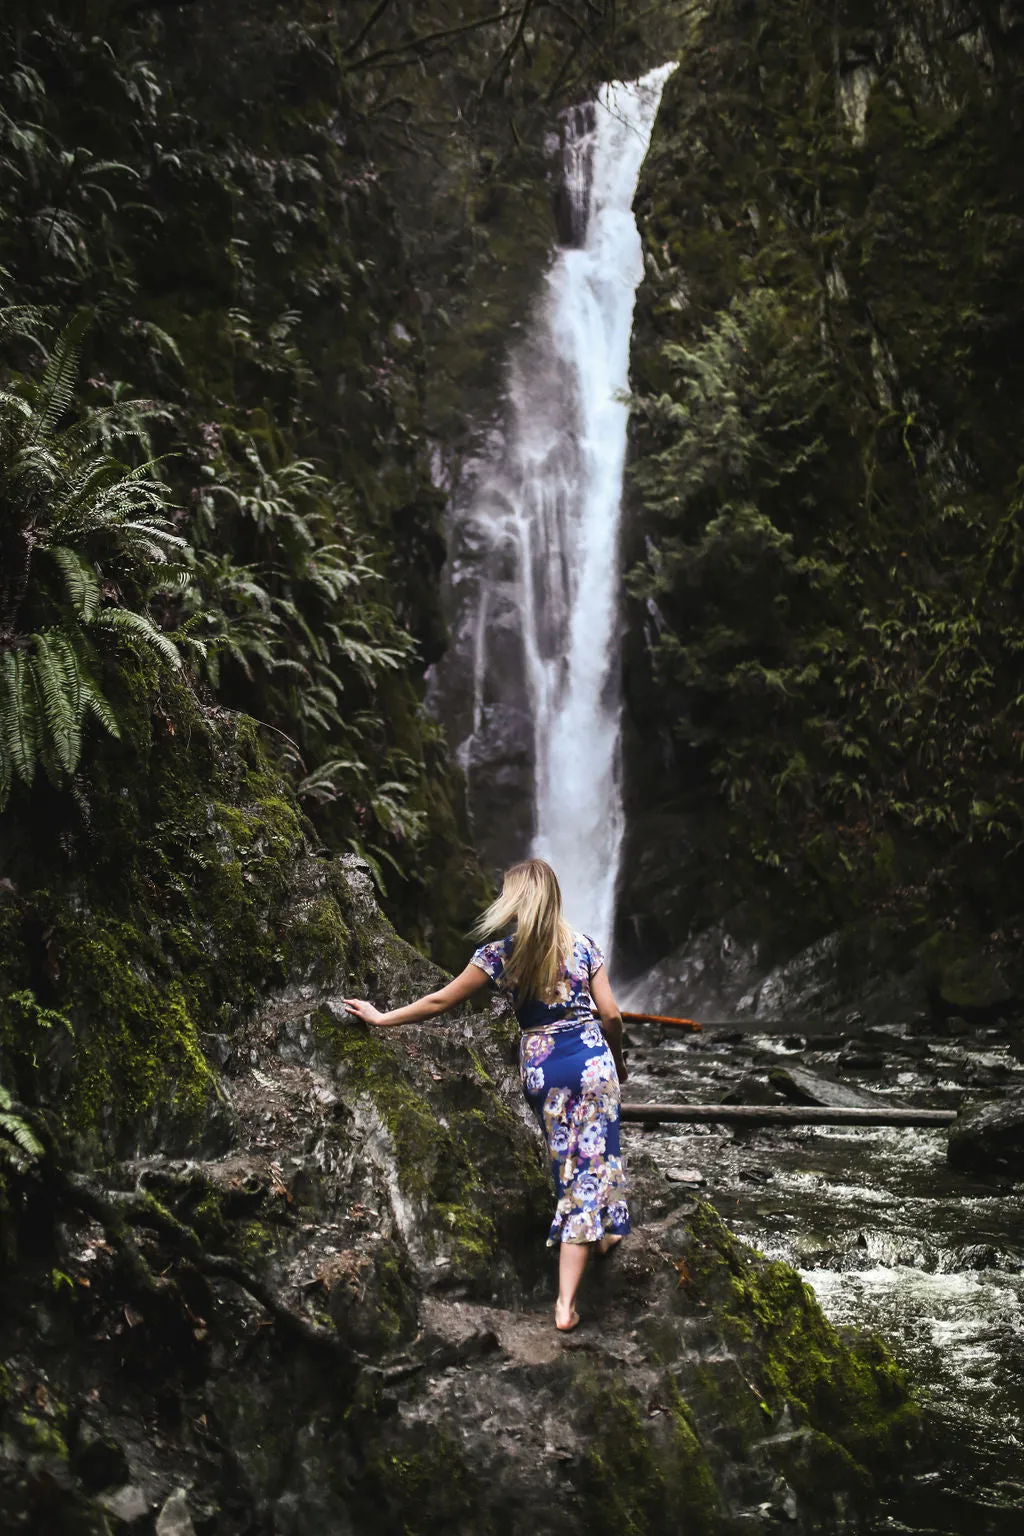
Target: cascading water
[(535, 579)]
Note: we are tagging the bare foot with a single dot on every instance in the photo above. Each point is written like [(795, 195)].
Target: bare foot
[(565, 1323)]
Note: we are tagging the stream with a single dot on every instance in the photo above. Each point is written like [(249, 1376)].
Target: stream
[(891, 1240)]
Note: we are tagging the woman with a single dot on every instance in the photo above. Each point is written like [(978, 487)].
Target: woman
[(570, 1064)]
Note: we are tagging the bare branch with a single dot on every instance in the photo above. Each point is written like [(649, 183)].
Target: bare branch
[(367, 28), (416, 45)]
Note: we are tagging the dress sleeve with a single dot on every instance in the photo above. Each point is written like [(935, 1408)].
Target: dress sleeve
[(491, 959), (595, 958)]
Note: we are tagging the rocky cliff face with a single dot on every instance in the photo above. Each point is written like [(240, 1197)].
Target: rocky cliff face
[(301, 1287)]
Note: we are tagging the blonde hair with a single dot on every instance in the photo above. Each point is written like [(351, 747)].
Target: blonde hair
[(531, 898)]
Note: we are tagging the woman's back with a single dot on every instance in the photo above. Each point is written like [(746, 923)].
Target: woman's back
[(572, 1002)]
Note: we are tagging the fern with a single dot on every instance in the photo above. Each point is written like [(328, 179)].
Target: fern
[(19, 1145), (75, 512)]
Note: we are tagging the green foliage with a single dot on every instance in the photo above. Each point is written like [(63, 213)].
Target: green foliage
[(827, 459), (19, 1145), (297, 612), (75, 524), (218, 197)]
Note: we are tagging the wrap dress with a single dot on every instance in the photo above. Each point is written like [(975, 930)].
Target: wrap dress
[(570, 1082)]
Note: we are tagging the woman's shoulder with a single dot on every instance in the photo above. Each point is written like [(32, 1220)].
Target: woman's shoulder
[(587, 952), (492, 957)]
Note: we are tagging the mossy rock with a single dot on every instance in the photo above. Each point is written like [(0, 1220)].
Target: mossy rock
[(963, 979), (797, 1368)]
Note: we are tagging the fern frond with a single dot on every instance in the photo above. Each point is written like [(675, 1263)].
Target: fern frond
[(125, 622), (80, 581), (57, 702), (18, 721), (94, 703), (22, 1135), (57, 389)]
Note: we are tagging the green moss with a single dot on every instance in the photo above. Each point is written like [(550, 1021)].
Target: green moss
[(254, 1240), (316, 938), (643, 1474), (427, 1484), (138, 1041), (470, 1172), (435, 1166), (172, 929), (850, 1391), (43, 1436)]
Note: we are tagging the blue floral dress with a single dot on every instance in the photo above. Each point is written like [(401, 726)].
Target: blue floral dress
[(569, 1078)]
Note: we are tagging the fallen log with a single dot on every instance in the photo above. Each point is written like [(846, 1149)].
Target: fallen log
[(783, 1114), (660, 1018)]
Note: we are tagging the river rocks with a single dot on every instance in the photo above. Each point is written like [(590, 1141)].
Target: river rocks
[(692, 1176), (753, 1089), (990, 1138), (705, 978), (803, 1087)]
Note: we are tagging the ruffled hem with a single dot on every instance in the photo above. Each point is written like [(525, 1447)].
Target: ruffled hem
[(594, 1226)]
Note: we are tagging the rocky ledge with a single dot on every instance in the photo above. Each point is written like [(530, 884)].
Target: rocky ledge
[(318, 1301)]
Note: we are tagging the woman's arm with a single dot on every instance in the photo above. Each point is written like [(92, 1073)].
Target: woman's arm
[(464, 985), (611, 1018)]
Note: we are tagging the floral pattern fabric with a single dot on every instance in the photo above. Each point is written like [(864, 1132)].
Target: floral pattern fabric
[(572, 1003), (569, 1079)]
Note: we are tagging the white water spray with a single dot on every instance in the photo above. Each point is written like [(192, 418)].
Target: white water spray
[(541, 563)]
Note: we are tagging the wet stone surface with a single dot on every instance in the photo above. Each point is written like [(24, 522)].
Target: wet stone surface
[(891, 1238)]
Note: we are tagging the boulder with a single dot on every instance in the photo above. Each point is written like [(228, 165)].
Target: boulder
[(803, 1087), (990, 1138), (752, 1090), (963, 981), (128, 1507), (174, 1518)]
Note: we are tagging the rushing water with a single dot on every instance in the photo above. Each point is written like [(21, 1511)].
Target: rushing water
[(890, 1238), (535, 552)]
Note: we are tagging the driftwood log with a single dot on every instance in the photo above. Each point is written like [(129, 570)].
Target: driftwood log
[(783, 1114), (660, 1018)]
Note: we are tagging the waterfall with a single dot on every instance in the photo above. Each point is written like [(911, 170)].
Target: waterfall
[(532, 686)]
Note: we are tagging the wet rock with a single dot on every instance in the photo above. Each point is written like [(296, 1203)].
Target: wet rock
[(755, 1175), (704, 978), (803, 1087), (917, 1050), (99, 1460), (174, 1518), (953, 1026), (713, 975), (129, 1507), (684, 1176), (967, 983), (752, 1090), (862, 1061), (990, 1138)]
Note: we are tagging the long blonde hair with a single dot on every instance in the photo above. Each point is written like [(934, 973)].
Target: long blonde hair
[(531, 898)]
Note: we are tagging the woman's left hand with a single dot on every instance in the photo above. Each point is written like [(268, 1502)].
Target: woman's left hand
[(363, 1010)]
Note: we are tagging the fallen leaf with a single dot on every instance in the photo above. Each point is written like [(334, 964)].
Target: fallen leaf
[(683, 1271)]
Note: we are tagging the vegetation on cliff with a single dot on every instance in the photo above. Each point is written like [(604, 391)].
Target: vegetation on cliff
[(827, 479)]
